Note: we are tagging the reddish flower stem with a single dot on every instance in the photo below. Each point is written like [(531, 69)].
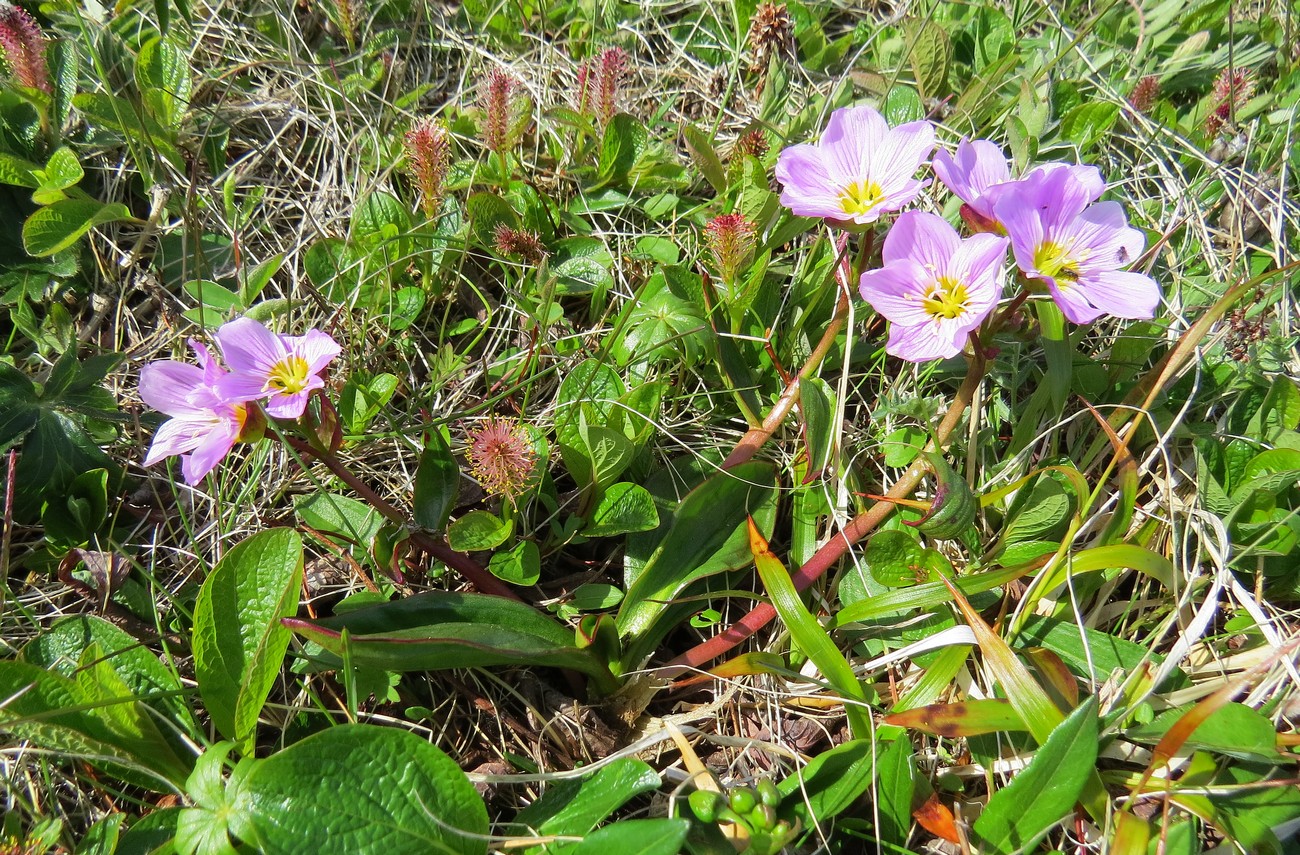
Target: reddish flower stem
[(835, 548), (754, 439)]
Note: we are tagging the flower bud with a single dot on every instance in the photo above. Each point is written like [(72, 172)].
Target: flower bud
[(953, 507), (428, 157), (22, 43)]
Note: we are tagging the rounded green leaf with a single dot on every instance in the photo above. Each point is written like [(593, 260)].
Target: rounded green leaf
[(58, 226), (357, 789), (624, 508), (521, 565), (478, 530)]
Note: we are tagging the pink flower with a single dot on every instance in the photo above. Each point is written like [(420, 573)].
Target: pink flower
[(1077, 248), (281, 369), (204, 424), (980, 174), (934, 287), (859, 170)]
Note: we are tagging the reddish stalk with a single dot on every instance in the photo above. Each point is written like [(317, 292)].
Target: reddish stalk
[(754, 439), (479, 577), (835, 548)]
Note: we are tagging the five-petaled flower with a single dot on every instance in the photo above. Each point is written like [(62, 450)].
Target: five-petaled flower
[(1077, 248), (281, 369), (934, 287), (204, 424), (859, 170)]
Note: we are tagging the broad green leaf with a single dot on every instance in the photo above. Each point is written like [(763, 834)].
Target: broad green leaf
[(1279, 412), (831, 782), (895, 559), (334, 513), (59, 225), (479, 530), (239, 644), (62, 170), (894, 789), (1234, 730), (581, 275), (705, 157), (58, 649), (1087, 123), (963, 718), (624, 142), (623, 508), (379, 218), (1091, 653), (705, 536), (1046, 791), (437, 482), (519, 565), (930, 52), (361, 788), (902, 105), (575, 807), (55, 713), (162, 72), (438, 630), (18, 172), (662, 836), (593, 597)]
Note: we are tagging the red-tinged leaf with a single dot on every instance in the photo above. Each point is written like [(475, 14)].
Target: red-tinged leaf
[(808, 633), (935, 818), (1127, 477), (1057, 674), (968, 718), (1026, 696)]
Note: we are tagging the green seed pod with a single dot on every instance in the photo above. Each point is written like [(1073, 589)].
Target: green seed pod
[(954, 505), (743, 800), (762, 816), (768, 794), (704, 804)]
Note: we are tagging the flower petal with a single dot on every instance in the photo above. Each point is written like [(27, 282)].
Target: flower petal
[(806, 188), (895, 291), (316, 347), (1073, 302), (1122, 294), (923, 342), (249, 346), (176, 436), (166, 386), (977, 264), (215, 446), (242, 387), (922, 237), (897, 158), (979, 166), (1017, 211), (292, 406), (851, 135)]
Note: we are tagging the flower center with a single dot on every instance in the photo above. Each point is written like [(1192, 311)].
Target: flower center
[(945, 299), (1054, 260), (289, 375), (860, 197)]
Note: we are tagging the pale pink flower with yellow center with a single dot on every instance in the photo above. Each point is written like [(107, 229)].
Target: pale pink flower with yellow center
[(934, 287), (1078, 249), (204, 424), (280, 369), (859, 170)]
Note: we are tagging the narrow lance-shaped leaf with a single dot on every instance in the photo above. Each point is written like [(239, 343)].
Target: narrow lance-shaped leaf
[(808, 633)]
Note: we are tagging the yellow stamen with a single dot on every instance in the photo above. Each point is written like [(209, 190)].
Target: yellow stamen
[(861, 197), (945, 299), (289, 376), (1052, 259)]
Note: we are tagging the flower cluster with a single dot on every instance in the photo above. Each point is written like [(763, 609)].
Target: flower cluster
[(936, 287), (22, 46), (213, 407)]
